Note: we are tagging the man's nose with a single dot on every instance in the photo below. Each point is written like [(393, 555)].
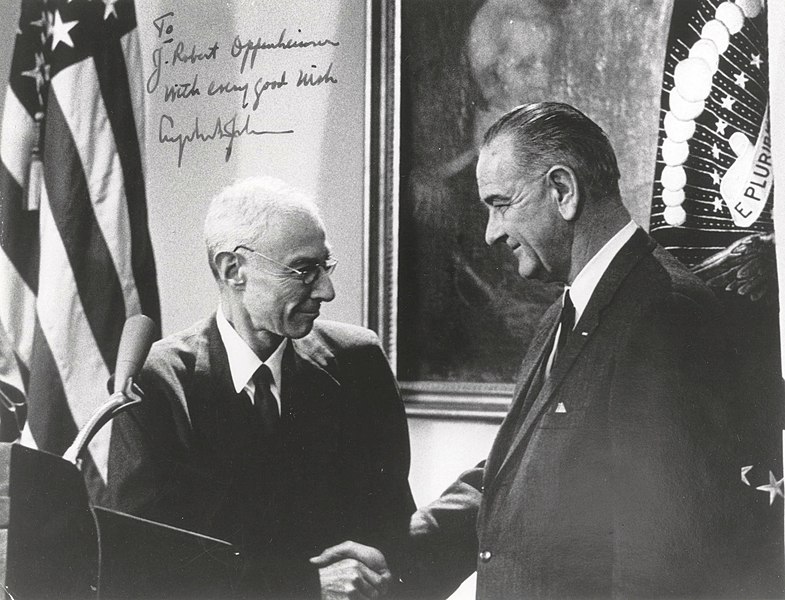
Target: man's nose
[(323, 287), (493, 230)]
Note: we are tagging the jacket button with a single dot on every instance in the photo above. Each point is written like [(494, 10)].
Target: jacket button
[(485, 556)]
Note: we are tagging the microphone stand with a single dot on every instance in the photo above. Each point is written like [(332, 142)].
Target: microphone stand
[(119, 401)]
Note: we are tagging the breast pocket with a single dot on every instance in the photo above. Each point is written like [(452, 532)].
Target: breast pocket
[(560, 415)]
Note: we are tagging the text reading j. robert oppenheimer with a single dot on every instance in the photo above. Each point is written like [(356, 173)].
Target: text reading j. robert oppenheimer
[(176, 77)]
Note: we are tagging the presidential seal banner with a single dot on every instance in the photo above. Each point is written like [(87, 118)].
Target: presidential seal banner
[(713, 175), (713, 208), (76, 255)]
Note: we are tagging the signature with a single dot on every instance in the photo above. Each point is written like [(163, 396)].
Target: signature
[(222, 129)]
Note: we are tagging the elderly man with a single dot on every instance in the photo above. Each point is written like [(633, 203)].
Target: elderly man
[(614, 474), (261, 425)]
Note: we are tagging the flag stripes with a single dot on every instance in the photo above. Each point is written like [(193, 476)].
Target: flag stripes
[(18, 228), (82, 240), (63, 302), (49, 417)]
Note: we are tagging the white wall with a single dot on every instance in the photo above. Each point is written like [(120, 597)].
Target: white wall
[(442, 450)]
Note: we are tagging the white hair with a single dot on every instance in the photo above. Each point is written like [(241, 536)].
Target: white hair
[(240, 214)]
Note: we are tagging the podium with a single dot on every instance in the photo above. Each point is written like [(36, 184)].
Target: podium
[(53, 544)]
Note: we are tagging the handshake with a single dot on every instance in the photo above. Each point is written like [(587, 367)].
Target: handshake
[(352, 570)]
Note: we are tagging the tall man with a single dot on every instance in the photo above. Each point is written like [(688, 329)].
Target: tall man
[(613, 474), (261, 425)]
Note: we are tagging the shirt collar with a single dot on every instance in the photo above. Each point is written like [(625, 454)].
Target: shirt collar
[(243, 361), (584, 284)]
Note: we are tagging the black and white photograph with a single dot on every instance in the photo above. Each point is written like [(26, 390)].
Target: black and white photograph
[(407, 299)]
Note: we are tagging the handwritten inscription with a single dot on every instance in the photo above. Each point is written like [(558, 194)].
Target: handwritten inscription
[(183, 72), (250, 48)]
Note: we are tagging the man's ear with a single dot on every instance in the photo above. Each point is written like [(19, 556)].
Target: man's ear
[(230, 268), (565, 190)]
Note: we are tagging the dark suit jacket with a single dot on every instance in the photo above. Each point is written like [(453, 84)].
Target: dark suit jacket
[(191, 455), (616, 478)]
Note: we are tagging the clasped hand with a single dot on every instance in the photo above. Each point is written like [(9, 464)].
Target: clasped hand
[(352, 570)]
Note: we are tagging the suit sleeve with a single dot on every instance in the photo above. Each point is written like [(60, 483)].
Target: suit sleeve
[(152, 471), (380, 447), (672, 457), (441, 550)]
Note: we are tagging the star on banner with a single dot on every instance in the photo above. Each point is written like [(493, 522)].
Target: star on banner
[(741, 80), (774, 488), (717, 208), (715, 177), (109, 9), (744, 471), (728, 102), (46, 23), (40, 73), (60, 31), (756, 61), (721, 125), (715, 151)]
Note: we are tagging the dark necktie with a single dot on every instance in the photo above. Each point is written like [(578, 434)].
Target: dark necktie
[(567, 321), (265, 403)]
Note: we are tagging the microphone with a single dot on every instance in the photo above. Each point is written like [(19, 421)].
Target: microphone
[(135, 341), (137, 337)]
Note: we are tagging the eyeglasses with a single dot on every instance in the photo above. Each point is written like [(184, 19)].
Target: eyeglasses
[(307, 274)]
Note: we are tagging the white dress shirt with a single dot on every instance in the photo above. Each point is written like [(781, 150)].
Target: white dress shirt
[(586, 281), (243, 361)]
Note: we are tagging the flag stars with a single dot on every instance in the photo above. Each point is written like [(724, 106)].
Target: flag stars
[(715, 152), (60, 31), (741, 80), (46, 22), (721, 126), (109, 9), (40, 73), (756, 61), (744, 471), (774, 488), (718, 208), (715, 177), (728, 102)]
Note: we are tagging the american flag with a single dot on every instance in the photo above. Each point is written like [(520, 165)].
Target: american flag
[(76, 255)]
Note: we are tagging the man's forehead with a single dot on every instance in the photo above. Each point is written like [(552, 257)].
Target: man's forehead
[(294, 234), (496, 159)]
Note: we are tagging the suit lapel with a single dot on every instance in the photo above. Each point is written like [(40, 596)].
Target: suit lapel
[(229, 422), (639, 245), (311, 392), (529, 373)]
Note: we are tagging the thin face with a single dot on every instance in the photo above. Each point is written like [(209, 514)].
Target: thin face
[(278, 303), (523, 213)]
